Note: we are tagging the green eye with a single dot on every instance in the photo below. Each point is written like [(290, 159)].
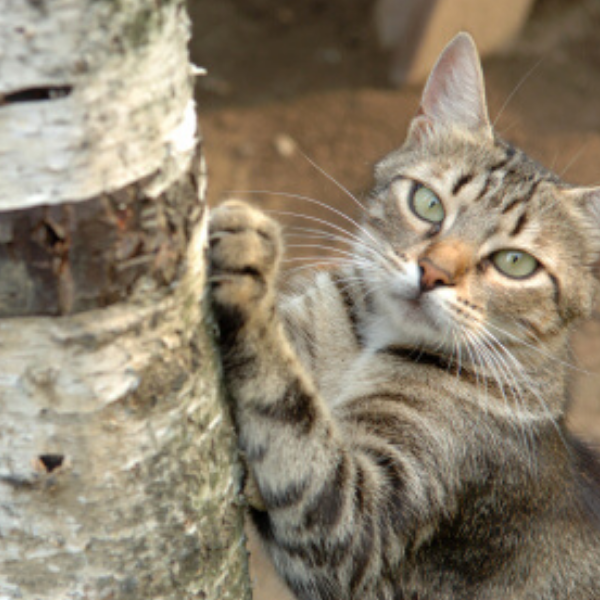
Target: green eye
[(426, 205), (514, 263)]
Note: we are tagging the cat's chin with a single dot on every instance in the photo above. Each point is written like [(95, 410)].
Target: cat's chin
[(409, 320)]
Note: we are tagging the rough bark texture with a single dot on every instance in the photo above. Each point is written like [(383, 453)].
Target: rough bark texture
[(115, 458), (76, 256), (117, 462)]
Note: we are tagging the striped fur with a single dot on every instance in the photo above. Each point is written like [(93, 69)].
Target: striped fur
[(408, 441)]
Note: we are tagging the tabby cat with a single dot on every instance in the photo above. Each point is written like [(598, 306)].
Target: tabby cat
[(402, 415)]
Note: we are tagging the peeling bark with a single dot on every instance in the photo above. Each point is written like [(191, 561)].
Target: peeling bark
[(117, 462), (75, 256)]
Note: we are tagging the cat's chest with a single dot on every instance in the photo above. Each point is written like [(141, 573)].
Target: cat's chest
[(369, 374), (336, 360)]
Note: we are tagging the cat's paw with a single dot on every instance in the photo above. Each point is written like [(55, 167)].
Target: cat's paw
[(245, 248)]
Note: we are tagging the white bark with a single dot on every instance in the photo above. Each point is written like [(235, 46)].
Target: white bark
[(128, 112)]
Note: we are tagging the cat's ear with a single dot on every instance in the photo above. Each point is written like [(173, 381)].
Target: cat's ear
[(454, 95)]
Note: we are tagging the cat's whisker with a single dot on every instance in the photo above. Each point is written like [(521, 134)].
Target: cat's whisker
[(346, 238), (490, 357), (358, 240), (507, 383), (322, 247), (472, 344), (335, 260), (333, 180), (517, 366), (531, 388), (521, 342), (297, 215), (494, 343), (372, 288), (357, 243), (325, 235), (317, 262), (318, 236), (314, 201), (459, 357), (313, 266)]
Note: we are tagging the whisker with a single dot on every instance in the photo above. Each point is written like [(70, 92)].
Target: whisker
[(312, 201), (314, 261), (506, 381), (333, 180), (296, 215), (357, 243), (346, 238), (534, 392), (307, 233), (519, 341), (323, 247), (314, 265)]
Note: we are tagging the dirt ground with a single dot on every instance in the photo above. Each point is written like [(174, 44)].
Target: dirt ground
[(289, 78)]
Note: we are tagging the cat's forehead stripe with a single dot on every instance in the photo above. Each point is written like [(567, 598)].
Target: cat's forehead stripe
[(485, 188), (520, 224), (521, 198), (463, 180)]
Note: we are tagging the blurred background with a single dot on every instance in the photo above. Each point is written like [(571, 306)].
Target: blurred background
[(336, 82)]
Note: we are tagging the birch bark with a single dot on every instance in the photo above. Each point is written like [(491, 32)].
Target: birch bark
[(117, 464)]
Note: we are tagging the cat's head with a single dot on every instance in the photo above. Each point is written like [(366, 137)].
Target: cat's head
[(467, 239)]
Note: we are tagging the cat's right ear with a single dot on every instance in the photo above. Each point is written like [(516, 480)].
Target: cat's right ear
[(454, 95)]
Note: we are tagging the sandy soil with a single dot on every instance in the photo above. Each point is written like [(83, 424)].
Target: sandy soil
[(287, 78)]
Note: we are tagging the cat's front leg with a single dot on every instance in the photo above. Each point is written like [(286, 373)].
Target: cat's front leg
[(285, 431), (320, 490), (274, 400), (270, 390)]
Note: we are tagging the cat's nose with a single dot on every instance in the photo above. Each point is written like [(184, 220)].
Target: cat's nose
[(445, 263), (433, 276)]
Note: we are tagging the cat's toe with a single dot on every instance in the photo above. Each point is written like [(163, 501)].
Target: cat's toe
[(235, 216), (244, 254)]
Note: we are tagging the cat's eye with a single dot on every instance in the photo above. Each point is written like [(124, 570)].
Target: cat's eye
[(515, 263), (426, 205)]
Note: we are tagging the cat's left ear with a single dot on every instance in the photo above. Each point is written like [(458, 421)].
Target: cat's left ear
[(454, 95)]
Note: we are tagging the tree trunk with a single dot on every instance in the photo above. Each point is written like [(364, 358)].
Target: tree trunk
[(117, 462)]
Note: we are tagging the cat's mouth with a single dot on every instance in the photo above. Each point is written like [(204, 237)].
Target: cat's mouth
[(420, 310)]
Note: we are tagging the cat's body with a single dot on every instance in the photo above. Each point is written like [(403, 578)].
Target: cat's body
[(402, 416)]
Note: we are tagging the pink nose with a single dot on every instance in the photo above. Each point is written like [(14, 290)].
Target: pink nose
[(433, 276)]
